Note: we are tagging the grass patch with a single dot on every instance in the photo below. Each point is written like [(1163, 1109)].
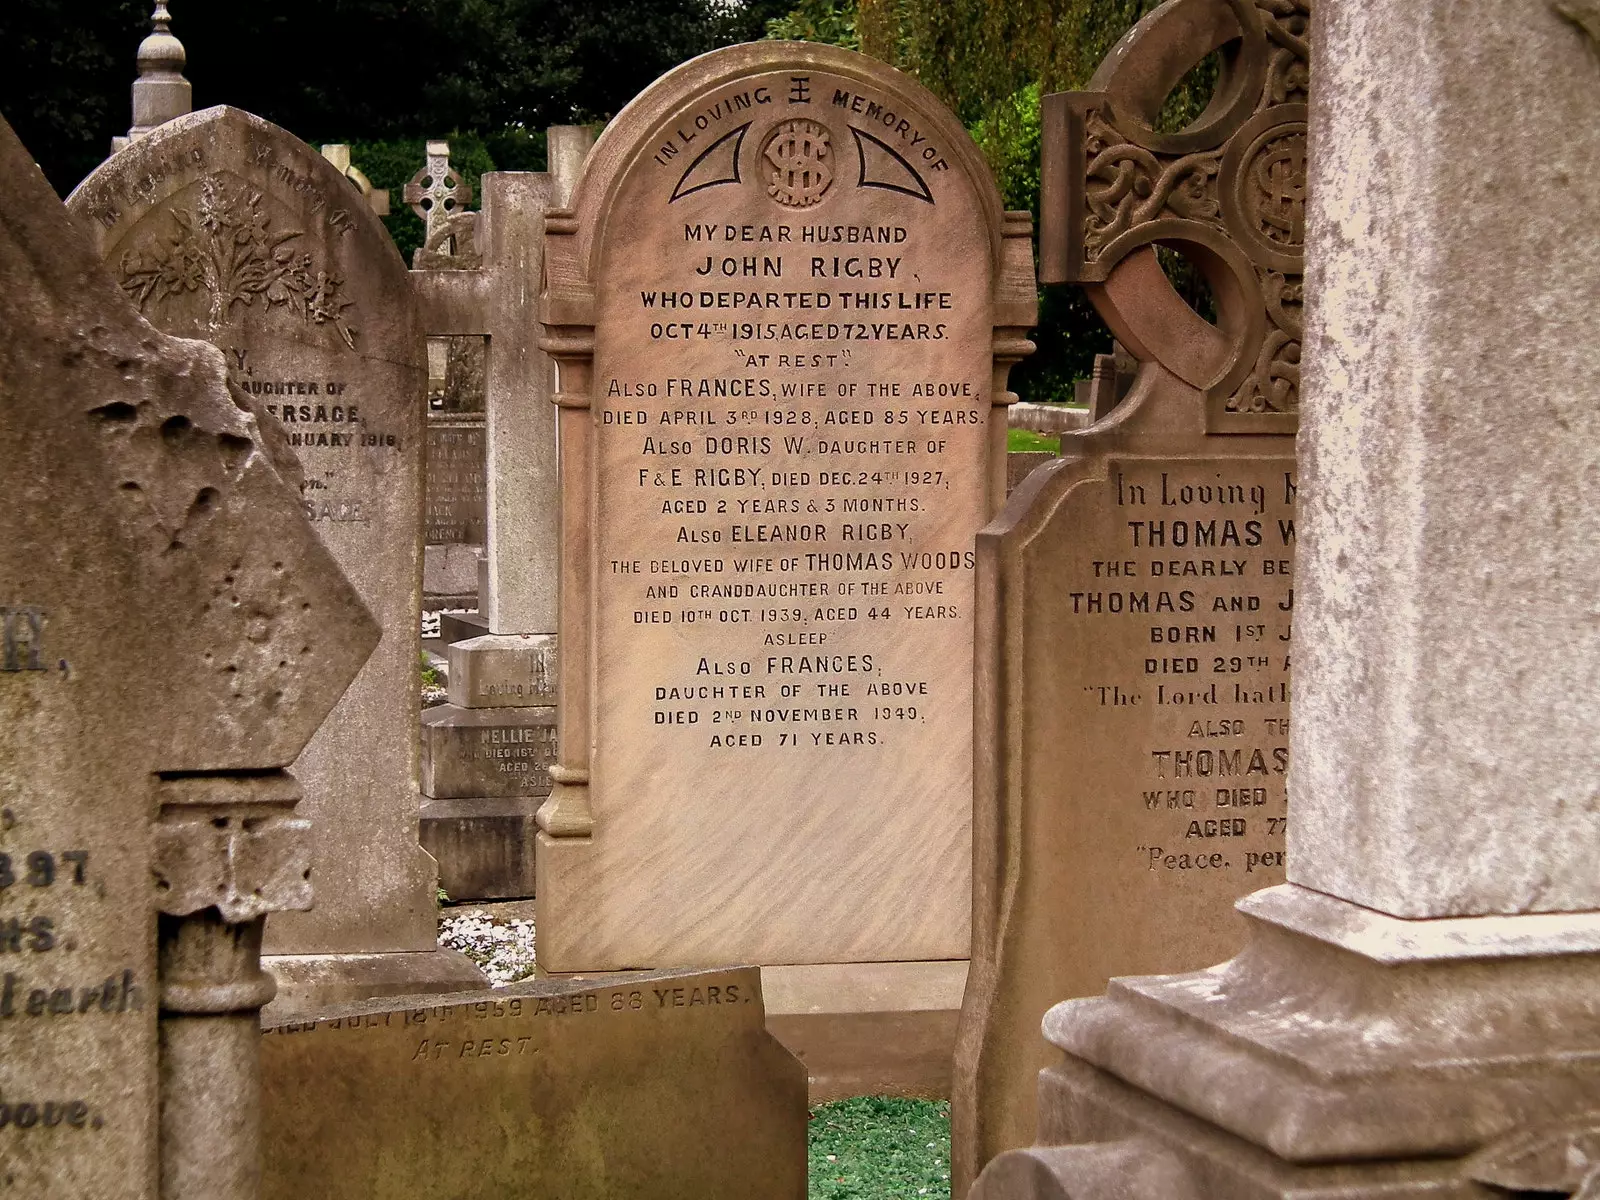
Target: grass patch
[(1026, 439), (880, 1148)]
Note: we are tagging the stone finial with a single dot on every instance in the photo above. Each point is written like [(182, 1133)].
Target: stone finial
[(161, 92)]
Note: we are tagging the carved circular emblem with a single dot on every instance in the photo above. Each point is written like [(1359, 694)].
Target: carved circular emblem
[(1262, 186), (798, 155), (1276, 187)]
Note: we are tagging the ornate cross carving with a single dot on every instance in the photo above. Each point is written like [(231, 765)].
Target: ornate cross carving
[(438, 195), (1228, 191)]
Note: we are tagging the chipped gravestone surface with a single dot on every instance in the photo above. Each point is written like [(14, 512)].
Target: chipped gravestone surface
[(664, 1085), (165, 608), (1135, 597), (801, 297), (221, 226)]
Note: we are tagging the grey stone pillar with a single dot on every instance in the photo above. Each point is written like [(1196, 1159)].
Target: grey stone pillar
[(161, 92), (1415, 1014)]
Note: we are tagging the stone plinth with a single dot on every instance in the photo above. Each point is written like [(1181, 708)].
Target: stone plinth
[(486, 758), (664, 1085)]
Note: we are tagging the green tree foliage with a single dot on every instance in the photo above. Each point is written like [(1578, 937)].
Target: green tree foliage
[(818, 21), (65, 86), (352, 70), (991, 61)]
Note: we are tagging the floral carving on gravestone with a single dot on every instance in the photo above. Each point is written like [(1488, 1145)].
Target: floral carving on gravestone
[(224, 246), (1230, 188)]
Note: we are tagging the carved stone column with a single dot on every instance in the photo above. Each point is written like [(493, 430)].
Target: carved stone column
[(229, 850)]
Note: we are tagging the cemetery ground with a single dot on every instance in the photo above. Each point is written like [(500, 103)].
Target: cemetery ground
[(1023, 441)]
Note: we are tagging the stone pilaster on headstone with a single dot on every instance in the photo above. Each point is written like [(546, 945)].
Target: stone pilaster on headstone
[(783, 326), (1135, 595), (1415, 1013), (173, 633), (160, 93), (222, 226), (566, 147)]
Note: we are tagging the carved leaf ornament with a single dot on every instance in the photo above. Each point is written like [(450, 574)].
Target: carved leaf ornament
[(224, 246), (1229, 191)]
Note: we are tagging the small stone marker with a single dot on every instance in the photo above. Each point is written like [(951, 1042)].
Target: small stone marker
[(224, 227), (1136, 595), (171, 633), (455, 505), (665, 1085), (783, 307)]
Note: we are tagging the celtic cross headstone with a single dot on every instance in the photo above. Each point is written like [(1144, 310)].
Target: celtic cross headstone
[(1135, 787), (439, 196)]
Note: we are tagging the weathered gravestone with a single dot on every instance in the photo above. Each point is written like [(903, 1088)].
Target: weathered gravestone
[(173, 632), (783, 308), (486, 754), (454, 513), (224, 227), (1135, 596), (665, 1085)]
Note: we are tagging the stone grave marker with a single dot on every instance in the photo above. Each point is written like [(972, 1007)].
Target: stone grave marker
[(455, 502), (483, 837), (171, 633), (1135, 596), (224, 227), (783, 308), (662, 1085)]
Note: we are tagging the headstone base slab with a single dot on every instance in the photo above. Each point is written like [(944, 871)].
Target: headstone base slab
[(1159, 1152), (861, 1029), (868, 1029), (314, 981), (472, 752), (450, 569), (664, 1085), (483, 844), (1343, 1053), (460, 626), (503, 670)]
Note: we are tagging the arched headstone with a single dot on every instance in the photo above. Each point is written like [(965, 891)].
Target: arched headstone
[(783, 309)]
